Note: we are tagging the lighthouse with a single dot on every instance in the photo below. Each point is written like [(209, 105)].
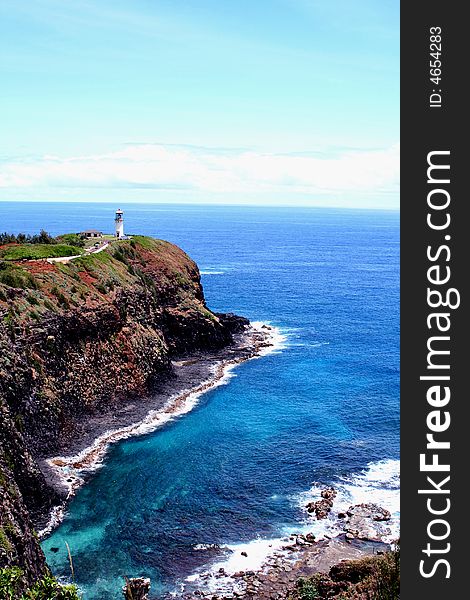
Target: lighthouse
[(119, 224)]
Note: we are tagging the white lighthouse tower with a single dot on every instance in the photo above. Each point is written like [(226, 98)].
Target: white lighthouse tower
[(119, 224)]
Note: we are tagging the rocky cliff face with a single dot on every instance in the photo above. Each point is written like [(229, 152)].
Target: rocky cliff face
[(75, 339)]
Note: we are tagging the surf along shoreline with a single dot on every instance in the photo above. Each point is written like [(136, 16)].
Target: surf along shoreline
[(362, 520), (194, 375)]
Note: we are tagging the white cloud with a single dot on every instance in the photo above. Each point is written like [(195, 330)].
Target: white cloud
[(211, 171)]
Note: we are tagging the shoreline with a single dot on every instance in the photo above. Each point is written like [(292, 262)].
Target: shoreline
[(193, 377), (357, 525), (293, 555), (299, 556), (269, 568)]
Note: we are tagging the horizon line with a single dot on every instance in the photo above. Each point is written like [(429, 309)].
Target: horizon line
[(210, 204)]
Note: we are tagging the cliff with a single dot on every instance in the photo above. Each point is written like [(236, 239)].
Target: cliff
[(75, 340)]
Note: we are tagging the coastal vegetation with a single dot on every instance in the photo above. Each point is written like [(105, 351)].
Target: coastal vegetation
[(46, 588), (73, 239), (90, 276), (37, 251), (370, 578), (14, 276), (121, 314), (25, 238), (22, 246)]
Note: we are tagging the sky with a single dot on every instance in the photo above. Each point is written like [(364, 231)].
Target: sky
[(211, 101)]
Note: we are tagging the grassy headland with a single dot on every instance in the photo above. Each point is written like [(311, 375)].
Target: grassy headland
[(82, 339), (37, 251)]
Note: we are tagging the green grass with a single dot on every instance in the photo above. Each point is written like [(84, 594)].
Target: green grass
[(146, 242), (14, 276), (72, 239), (37, 251), (47, 588), (4, 541), (89, 261)]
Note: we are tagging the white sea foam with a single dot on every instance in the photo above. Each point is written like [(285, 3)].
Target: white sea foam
[(257, 551), (255, 555), (206, 547), (55, 518), (278, 338), (297, 337), (378, 483), (212, 272), (71, 469)]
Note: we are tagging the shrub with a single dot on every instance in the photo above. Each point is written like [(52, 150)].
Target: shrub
[(61, 299), (100, 287), (10, 581), (10, 323), (48, 304), (373, 577), (307, 590), (19, 421), (22, 238), (119, 255), (73, 239), (47, 588), (4, 542), (16, 277)]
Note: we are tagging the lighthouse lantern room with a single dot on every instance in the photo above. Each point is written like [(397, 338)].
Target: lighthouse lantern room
[(119, 224)]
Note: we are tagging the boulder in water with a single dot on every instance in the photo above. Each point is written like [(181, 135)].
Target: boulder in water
[(137, 588), (365, 522), (322, 507)]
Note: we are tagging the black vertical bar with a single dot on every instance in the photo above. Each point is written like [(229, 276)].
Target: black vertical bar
[(433, 123)]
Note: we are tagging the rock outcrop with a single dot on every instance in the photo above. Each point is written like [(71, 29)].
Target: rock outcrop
[(280, 576), (365, 522), (321, 508), (137, 588), (77, 339)]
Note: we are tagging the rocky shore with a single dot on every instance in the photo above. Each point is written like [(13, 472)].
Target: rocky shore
[(115, 345), (278, 578), (91, 346), (191, 376), (300, 556)]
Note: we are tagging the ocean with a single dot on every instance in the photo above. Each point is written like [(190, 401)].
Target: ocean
[(322, 408)]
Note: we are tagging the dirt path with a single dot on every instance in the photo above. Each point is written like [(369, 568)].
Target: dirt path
[(66, 259)]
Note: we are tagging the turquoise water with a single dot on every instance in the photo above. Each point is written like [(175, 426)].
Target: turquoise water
[(324, 409)]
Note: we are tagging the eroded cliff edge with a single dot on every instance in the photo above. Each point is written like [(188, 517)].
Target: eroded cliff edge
[(79, 338)]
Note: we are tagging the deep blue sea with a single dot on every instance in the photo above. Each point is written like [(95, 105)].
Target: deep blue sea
[(240, 466)]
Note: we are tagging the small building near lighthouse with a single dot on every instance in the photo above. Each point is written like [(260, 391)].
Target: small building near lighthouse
[(119, 224), (91, 233)]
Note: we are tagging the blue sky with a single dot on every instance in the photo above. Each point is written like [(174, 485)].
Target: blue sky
[(200, 100)]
